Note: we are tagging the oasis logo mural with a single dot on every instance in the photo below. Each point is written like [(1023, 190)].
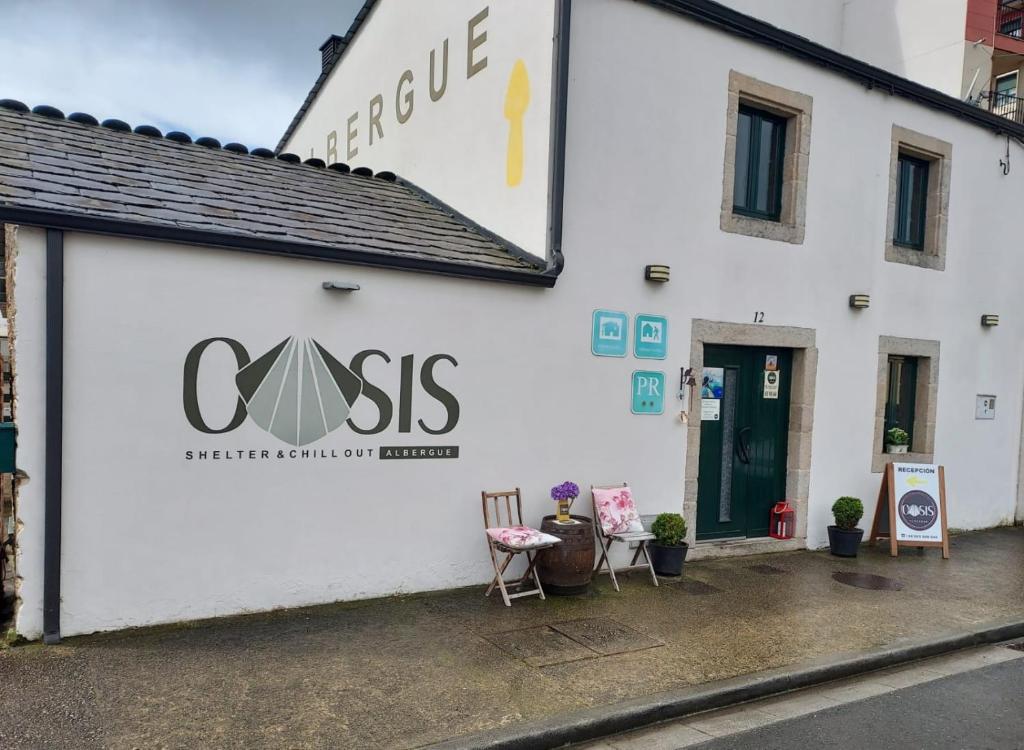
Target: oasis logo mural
[(299, 392)]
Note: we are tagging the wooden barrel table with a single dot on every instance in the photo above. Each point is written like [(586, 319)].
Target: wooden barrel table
[(566, 568)]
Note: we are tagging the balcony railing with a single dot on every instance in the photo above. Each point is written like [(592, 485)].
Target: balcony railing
[(1010, 21), (1005, 105)]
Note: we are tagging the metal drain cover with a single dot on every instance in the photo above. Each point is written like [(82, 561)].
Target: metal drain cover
[(767, 570), (867, 581), (540, 647), (606, 637)]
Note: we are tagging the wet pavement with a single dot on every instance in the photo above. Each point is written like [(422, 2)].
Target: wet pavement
[(409, 671)]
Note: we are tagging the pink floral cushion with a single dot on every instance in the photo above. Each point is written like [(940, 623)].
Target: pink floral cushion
[(617, 511), (521, 537)]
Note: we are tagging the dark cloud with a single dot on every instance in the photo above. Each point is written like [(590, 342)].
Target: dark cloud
[(233, 69)]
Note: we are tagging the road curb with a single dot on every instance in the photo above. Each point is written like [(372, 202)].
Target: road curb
[(602, 721)]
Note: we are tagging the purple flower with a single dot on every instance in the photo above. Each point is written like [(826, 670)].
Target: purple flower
[(565, 491)]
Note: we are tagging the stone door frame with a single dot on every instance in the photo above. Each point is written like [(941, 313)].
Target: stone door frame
[(801, 411)]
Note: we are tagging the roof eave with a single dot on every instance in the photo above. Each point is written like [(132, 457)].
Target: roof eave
[(291, 249)]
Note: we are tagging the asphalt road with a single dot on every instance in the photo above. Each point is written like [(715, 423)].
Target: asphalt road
[(981, 710)]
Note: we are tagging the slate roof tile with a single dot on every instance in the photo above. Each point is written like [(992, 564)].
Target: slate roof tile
[(98, 173)]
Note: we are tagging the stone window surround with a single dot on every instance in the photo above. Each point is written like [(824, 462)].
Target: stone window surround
[(925, 400), (939, 155), (801, 417), (796, 108)]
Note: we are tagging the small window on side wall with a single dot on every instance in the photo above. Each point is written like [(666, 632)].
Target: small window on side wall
[(907, 398), (767, 155), (918, 216), (760, 151), (911, 202), (902, 393)]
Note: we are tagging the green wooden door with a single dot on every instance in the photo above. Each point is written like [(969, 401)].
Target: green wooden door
[(743, 450)]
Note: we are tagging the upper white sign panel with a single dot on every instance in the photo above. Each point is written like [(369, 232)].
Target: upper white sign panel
[(453, 95)]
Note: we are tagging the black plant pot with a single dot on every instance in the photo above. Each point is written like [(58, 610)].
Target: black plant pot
[(668, 561), (844, 542)]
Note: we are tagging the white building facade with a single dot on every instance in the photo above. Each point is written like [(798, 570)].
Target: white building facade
[(776, 179)]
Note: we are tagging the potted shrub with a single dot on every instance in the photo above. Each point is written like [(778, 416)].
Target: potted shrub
[(844, 538), (668, 550), (896, 440)]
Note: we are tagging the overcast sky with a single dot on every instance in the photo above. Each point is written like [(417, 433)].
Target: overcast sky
[(237, 70)]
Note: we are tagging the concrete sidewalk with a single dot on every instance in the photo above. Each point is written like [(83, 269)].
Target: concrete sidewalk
[(411, 671)]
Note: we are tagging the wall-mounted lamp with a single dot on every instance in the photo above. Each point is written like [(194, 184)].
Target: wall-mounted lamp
[(990, 321), (656, 273), (341, 286), (860, 301)]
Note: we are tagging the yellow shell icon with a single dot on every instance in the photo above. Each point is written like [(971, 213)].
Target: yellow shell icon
[(517, 99)]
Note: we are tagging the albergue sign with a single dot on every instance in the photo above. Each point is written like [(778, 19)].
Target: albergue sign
[(400, 105), (454, 96), (299, 393)]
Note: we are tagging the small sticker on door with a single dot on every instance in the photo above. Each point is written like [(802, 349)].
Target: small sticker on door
[(771, 362), (712, 385), (771, 384), (710, 409)]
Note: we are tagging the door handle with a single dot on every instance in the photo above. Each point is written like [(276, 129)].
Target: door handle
[(742, 446)]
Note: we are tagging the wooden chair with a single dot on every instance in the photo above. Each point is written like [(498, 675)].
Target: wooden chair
[(507, 536), (606, 538)]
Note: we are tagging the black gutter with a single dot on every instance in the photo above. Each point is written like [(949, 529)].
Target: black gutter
[(285, 248), (733, 22), (559, 108), (54, 437)]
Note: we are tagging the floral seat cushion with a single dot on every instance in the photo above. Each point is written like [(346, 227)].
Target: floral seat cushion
[(521, 537), (617, 511)]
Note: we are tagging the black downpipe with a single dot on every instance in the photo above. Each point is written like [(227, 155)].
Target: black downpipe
[(54, 432), (561, 105)]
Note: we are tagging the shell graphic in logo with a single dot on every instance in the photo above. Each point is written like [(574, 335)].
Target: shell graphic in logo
[(297, 391)]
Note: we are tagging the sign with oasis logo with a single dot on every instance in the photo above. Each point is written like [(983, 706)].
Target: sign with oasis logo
[(299, 393)]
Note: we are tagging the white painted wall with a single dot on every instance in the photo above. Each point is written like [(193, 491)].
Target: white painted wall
[(456, 146), (1019, 518), (662, 204), (151, 537)]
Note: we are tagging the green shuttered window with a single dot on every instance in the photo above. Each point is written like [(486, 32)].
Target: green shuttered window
[(760, 151), (900, 404), (911, 202)]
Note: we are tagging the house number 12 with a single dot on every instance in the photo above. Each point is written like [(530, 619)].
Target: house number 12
[(759, 317)]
